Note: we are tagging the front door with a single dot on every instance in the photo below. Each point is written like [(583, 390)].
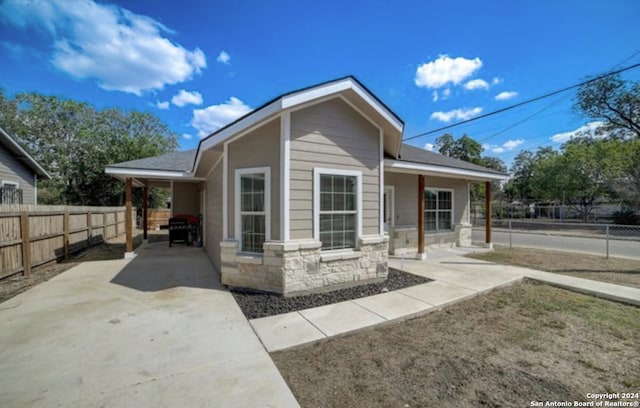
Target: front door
[(388, 210)]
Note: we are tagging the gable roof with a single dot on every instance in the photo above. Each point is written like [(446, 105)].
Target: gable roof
[(19, 153), (349, 88), (409, 153)]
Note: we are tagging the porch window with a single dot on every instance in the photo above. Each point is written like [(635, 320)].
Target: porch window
[(438, 213), (252, 208), (337, 196)]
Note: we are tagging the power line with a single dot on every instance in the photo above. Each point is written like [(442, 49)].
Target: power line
[(508, 108)]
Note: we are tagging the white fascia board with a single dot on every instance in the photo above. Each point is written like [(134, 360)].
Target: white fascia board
[(452, 172), (27, 156), (234, 129), (156, 174), (329, 89)]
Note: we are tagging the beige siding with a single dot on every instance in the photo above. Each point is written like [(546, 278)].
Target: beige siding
[(332, 135), (406, 196), (213, 215), (12, 169), (260, 148), (186, 198)]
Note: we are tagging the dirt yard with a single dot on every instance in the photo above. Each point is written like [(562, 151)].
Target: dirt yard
[(113, 249), (523, 343), (613, 270)]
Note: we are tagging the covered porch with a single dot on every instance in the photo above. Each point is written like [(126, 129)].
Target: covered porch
[(187, 198), (423, 209)]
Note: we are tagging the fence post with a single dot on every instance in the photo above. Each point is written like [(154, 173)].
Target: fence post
[(66, 234), (89, 228), (104, 226), (607, 228), (510, 236), (26, 244)]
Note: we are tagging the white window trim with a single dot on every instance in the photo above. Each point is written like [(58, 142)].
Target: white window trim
[(267, 203), (317, 171), (11, 183), (453, 209)]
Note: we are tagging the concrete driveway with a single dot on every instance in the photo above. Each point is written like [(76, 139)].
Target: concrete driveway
[(156, 331)]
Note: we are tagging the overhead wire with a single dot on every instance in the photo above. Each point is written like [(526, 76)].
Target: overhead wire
[(528, 101)]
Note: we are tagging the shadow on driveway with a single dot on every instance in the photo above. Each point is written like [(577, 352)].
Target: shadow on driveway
[(158, 267)]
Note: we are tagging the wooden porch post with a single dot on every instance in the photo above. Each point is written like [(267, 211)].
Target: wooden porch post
[(421, 217), (145, 205), (127, 216), (488, 213)]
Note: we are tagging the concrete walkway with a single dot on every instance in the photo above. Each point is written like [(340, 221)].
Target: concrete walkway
[(455, 278), (155, 331)]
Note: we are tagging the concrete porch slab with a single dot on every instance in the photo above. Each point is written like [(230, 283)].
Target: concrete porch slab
[(341, 318), (285, 330)]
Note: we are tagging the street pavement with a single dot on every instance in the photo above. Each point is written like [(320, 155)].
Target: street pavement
[(588, 245)]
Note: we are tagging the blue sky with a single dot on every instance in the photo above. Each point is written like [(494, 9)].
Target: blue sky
[(198, 65)]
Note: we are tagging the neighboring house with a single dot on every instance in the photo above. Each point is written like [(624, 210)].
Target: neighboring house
[(313, 190), (19, 173)]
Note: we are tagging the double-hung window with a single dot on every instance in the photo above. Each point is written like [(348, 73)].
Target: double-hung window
[(252, 208), (337, 196), (438, 210)]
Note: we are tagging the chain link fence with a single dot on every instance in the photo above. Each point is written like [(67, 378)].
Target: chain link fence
[(602, 239)]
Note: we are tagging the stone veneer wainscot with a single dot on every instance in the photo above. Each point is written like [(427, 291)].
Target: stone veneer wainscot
[(298, 267)]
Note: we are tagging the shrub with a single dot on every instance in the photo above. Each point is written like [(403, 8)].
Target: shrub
[(625, 216)]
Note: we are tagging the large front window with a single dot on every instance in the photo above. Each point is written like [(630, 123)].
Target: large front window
[(253, 209), (438, 210), (338, 206)]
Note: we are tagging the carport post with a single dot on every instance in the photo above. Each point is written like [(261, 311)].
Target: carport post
[(127, 218), (145, 205), (421, 254), (487, 217)]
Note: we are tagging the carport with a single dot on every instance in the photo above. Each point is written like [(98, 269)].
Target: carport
[(188, 190)]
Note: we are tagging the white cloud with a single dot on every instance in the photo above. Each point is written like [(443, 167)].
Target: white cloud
[(476, 84), (446, 93), (504, 147), (586, 130), (121, 50), (224, 58), (214, 117), (512, 144), (184, 98), (446, 70), (435, 96), (430, 147), (162, 105), (460, 114), (503, 96), (187, 136), (496, 81)]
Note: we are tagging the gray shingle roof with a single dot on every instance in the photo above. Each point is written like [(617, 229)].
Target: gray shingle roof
[(174, 161), (414, 154)]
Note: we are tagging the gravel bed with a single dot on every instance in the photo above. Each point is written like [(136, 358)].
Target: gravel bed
[(255, 305)]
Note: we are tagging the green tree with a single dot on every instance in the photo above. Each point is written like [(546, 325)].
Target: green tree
[(580, 175), (74, 142), (465, 148), (615, 102)]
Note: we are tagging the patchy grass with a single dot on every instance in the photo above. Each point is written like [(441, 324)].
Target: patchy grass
[(512, 346), (613, 270)]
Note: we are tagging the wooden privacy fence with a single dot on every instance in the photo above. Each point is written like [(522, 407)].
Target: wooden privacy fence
[(34, 235)]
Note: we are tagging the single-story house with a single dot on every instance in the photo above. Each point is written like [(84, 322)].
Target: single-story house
[(314, 190), (19, 173)]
